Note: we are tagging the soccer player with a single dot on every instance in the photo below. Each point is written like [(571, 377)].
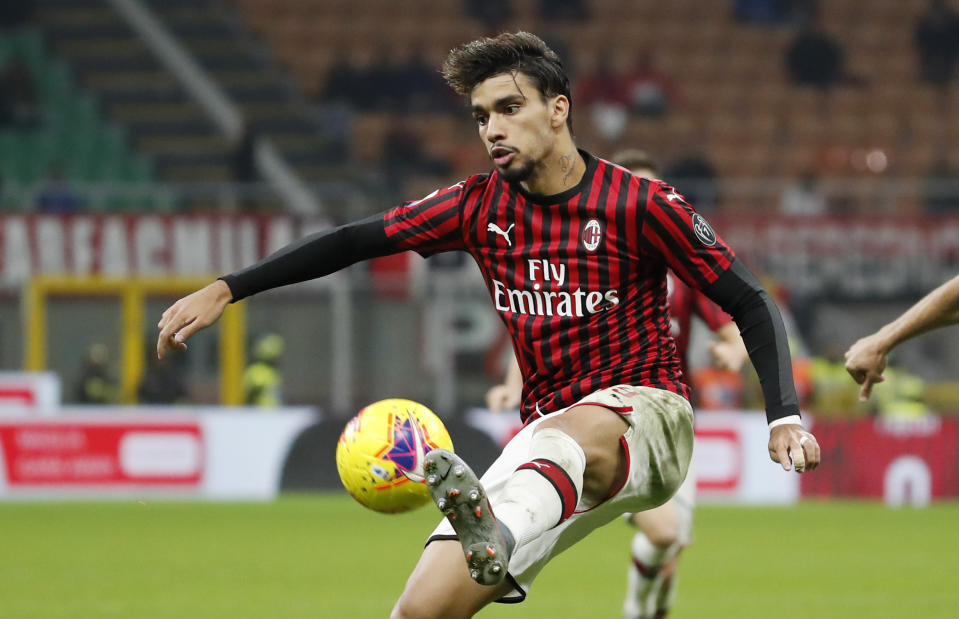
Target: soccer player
[(866, 359), (574, 252), (665, 530)]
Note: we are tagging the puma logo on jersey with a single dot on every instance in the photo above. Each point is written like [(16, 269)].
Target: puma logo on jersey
[(501, 232), (673, 196)]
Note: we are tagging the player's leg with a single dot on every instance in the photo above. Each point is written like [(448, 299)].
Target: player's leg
[(653, 550), (573, 455), (440, 587)]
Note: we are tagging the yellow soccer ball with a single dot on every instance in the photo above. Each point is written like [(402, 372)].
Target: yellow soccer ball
[(379, 455)]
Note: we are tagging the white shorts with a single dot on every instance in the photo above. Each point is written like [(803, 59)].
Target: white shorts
[(658, 444)]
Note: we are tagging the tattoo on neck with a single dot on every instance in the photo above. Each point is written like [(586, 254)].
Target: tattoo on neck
[(566, 165)]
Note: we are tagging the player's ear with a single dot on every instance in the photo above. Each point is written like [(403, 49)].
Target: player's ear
[(559, 111)]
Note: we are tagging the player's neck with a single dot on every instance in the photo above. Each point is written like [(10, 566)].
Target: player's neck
[(560, 171)]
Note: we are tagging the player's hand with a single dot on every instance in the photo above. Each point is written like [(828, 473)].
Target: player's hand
[(865, 362), (793, 447), (190, 314), (503, 397), (727, 355)]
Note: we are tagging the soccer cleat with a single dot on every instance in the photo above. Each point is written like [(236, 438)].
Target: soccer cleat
[(486, 543)]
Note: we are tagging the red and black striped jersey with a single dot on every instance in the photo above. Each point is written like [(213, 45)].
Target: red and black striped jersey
[(578, 278), (684, 303)]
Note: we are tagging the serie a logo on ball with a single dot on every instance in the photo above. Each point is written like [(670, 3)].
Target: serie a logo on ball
[(379, 455)]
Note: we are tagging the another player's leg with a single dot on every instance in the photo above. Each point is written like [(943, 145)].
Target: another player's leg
[(440, 587), (654, 547), (663, 533)]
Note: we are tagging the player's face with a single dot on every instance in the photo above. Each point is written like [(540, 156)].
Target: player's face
[(516, 124)]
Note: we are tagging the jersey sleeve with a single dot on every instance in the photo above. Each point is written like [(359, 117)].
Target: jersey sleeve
[(430, 225), (709, 312), (683, 237)]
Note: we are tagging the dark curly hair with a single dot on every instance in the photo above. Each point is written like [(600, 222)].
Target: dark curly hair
[(472, 63)]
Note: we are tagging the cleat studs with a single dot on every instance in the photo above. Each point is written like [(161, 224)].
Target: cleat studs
[(441, 503), (474, 495), (451, 516), (474, 574), (495, 568), (459, 470), (469, 555), (490, 551), (453, 492), (432, 480), (479, 512)]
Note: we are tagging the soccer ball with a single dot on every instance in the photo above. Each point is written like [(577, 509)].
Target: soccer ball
[(380, 454)]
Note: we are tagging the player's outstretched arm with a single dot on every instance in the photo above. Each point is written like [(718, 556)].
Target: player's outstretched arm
[(793, 447), (190, 314), (866, 359)]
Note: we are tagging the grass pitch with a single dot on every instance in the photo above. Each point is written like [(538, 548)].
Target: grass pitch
[(324, 556)]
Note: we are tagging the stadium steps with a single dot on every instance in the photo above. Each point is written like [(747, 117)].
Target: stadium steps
[(135, 90), (265, 94)]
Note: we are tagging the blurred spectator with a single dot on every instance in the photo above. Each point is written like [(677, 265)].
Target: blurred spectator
[(19, 105), (563, 10), (770, 11), (57, 195), (341, 85), (602, 93), (940, 190), (96, 384), (815, 58), (694, 176), (262, 382), (650, 92), (162, 382), (491, 13), (803, 197), (421, 87), (937, 40), (15, 13), (379, 85)]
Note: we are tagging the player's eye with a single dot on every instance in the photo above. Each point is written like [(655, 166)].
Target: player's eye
[(512, 109), (480, 120)]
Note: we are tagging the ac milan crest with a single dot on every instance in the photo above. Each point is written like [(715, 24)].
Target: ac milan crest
[(592, 235)]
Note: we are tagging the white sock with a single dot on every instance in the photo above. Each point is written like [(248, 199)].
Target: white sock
[(644, 583), (544, 491)]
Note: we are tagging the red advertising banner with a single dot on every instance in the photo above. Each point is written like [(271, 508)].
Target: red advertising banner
[(900, 461), (101, 454)]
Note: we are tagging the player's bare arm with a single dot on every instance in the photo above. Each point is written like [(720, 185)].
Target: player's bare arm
[(190, 314), (729, 352), (866, 359)]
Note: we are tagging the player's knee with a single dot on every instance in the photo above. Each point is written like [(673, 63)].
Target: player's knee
[(662, 535)]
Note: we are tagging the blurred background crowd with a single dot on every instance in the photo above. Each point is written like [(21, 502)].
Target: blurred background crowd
[(773, 117)]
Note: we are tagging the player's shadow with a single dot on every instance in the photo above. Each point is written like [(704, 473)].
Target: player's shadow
[(311, 462)]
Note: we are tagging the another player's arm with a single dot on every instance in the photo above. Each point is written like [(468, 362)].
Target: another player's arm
[(509, 393), (866, 359), (728, 352), (313, 256)]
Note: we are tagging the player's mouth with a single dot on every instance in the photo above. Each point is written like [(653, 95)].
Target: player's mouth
[(502, 155)]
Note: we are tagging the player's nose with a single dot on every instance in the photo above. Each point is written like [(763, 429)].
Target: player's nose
[(495, 131)]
